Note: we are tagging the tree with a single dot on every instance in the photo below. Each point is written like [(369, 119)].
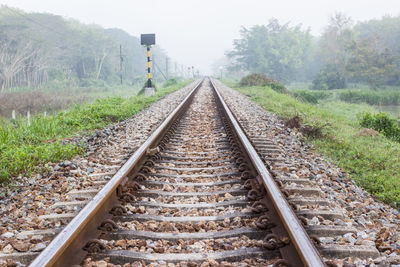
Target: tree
[(32, 52), (387, 33), (276, 50), (336, 36), (370, 63), (328, 78)]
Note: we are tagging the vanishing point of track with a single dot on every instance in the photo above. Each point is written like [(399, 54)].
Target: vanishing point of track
[(195, 191)]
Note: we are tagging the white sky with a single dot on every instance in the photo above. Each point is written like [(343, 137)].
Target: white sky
[(199, 32)]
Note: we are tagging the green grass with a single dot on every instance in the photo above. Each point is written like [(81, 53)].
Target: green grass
[(24, 148), (373, 162), (384, 97)]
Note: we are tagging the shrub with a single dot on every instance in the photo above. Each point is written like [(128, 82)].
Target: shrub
[(311, 96), (328, 78), (259, 79), (382, 123)]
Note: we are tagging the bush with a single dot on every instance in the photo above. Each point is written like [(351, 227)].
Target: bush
[(328, 78), (259, 79), (310, 96), (382, 123)]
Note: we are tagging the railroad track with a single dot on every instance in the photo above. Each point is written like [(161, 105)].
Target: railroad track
[(198, 192)]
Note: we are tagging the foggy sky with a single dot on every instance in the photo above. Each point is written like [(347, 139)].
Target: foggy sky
[(199, 32)]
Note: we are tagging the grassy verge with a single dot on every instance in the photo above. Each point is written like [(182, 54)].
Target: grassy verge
[(24, 148), (373, 162)]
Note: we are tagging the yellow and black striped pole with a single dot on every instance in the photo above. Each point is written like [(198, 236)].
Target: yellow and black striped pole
[(148, 68)]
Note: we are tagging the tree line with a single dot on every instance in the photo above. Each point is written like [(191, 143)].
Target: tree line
[(346, 52), (36, 48)]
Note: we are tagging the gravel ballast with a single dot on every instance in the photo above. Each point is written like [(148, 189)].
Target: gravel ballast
[(377, 223), (29, 204)]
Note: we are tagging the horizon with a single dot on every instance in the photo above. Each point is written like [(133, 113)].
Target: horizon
[(178, 36)]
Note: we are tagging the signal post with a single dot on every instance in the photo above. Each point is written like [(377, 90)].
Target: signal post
[(148, 40)]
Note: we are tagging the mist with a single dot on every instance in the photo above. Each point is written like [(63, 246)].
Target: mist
[(197, 33)]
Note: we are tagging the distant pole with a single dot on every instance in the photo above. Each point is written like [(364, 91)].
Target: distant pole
[(166, 67), (176, 69), (193, 71), (148, 68), (120, 62)]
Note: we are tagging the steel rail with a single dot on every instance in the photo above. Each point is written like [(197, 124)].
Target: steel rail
[(64, 241), (304, 246)]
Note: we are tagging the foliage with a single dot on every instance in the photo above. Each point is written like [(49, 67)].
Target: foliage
[(171, 81), (259, 79), (372, 161), (311, 97), (383, 124), (364, 53), (346, 52), (386, 30), (32, 52), (328, 78), (331, 50), (369, 63), (274, 49), (383, 97), (23, 148)]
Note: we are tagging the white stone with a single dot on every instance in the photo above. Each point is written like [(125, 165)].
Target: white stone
[(314, 221), (7, 235), (8, 249)]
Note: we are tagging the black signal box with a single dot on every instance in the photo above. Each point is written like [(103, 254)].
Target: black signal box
[(148, 39)]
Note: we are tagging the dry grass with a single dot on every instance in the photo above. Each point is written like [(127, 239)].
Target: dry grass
[(35, 102)]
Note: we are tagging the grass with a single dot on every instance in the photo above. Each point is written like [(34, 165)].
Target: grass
[(373, 162), (384, 97), (24, 149), (54, 95), (54, 99), (311, 96)]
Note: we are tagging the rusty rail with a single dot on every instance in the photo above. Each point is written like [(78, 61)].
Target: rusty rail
[(304, 246), (66, 247)]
